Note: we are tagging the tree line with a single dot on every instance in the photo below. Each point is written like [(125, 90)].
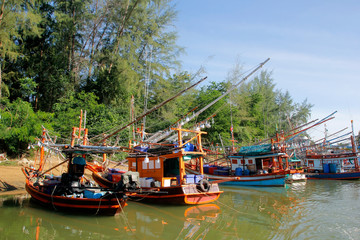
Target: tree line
[(116, 59)]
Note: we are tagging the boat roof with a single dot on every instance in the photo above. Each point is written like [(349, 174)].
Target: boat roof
[(257, 156)]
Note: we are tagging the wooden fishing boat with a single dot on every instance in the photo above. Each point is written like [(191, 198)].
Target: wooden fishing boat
[(336, 166), (257, 165), (333, 166), (245, 170), (162, 173), (263, 180), (71, 191), (83, 202)]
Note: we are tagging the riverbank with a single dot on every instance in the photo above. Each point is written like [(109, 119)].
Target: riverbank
[(12, 180)]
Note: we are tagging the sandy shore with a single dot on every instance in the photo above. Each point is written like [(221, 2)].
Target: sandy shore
[(12, 180)]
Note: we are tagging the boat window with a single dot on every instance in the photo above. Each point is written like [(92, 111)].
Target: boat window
[(258, 163), (310, 163), (171, 167)]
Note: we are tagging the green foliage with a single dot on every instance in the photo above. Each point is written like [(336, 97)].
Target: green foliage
[(20, 125), (61, 57), (99, 118), (170, 113)]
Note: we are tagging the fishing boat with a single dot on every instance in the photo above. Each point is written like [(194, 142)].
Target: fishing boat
[(333, 165), (251, 166), (161, 169), (72, 191), (67, 193)]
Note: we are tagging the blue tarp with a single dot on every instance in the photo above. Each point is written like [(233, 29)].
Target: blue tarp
[(255, 150), (79, 161)]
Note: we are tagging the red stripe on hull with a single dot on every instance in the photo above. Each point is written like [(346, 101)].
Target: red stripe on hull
[(172, 195), (77, 205)]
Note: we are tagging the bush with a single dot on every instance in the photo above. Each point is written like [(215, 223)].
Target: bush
[(20, 126)]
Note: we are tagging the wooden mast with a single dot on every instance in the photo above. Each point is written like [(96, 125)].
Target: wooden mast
[(41, 164)]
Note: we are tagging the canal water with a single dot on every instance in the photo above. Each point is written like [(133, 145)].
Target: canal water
[(311, 210)]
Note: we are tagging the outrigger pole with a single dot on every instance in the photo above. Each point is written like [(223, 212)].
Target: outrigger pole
[(213, 102), (228, 91), (151, 110), (333, 134)]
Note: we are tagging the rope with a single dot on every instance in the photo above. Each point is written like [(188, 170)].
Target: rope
[(97, 211), (52, 199), (124, 216)]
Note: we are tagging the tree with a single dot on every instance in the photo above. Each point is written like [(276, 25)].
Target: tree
[(17, 19)]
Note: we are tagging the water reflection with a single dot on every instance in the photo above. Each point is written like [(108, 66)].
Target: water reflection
[(28, 220), (311, 210)]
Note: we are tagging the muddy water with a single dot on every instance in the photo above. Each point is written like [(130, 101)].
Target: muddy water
[(312, 210)]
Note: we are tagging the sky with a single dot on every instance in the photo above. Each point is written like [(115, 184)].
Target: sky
[(313, 46)]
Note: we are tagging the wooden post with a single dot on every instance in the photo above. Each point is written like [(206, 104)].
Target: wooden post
[(201, 158), (73, 135), (42, 151), (81, 114), (181, 159), (104, 154)]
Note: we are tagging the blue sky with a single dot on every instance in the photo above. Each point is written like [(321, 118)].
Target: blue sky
[(314, 47)]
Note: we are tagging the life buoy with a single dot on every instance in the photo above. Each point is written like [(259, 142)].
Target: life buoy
[(204, 185)]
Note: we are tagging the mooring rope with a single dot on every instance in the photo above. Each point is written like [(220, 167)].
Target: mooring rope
[(52, 199), (124, 216), (97, 211)]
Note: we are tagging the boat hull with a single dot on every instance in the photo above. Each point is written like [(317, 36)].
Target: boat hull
[(102, 206), (188, 194), (335, 176), (103, 182), (179, 195), (263, 180)]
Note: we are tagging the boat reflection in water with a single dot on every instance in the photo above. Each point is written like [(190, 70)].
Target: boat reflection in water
[(25, 219), (175, 222)]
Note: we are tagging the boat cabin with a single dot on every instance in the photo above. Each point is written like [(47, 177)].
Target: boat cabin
[(165, 167), (330, 162), (258, 159)]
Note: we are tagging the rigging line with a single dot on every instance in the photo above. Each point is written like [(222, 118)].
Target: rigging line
[(123, 215), (153, 109)]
